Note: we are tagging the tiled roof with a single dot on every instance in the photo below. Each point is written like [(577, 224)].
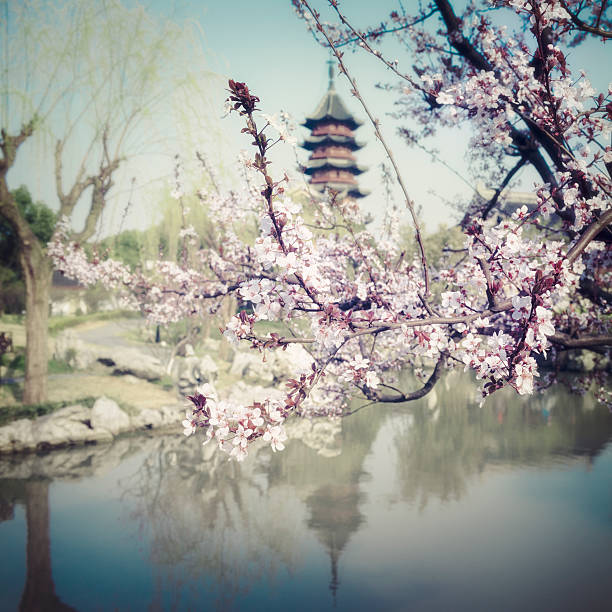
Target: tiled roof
[(334, 163), (331, 107), (311, 142), (353, 191)]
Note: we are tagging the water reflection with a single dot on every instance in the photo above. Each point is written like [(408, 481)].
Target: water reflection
[(288, 528), (442, 444), (39, 590)]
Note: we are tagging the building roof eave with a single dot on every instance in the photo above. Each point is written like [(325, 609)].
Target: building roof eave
[(353, 191), (331, 107), (312, 142), (334, 163)]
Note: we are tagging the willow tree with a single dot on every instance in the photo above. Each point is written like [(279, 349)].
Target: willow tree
[(83, 88)]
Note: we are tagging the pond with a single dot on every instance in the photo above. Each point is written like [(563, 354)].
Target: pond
[(435, 505)]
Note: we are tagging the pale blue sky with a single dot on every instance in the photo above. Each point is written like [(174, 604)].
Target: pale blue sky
[(264, 44)]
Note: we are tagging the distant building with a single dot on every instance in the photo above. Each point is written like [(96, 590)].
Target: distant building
[(508, 200), (332, 162)]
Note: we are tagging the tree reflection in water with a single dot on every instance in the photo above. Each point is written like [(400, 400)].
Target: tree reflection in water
[(39, 590), (442, 443)]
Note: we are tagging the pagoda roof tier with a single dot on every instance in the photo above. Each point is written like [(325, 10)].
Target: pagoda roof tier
[(312, 142), (331, 108), (333, 163), (354, 191)]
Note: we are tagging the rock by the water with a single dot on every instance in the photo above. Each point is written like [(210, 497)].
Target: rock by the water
[(146, 419), (16, 436), (171, 415), (251, 368), (106, 414), (51, 430), (130, 361), (320, 434), (242, 393)]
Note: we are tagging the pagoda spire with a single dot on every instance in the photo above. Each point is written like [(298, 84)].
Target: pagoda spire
[(330, 63), (332, 164)]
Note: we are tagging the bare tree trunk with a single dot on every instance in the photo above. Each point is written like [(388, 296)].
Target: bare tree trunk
[(37, 273)]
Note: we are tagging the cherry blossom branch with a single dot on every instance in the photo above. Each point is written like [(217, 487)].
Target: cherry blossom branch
[(362, 38), (588, 236), (493, 201), (381, 31), (605, 340), (401, 396)]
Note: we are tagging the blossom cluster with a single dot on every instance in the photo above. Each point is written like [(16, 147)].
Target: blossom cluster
[(233, 427)]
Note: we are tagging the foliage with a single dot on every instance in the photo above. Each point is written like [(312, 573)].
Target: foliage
[(13, 413), (90, 79), (15, 365), (365, 309), (41, 220), (444, 244), (126, 247)]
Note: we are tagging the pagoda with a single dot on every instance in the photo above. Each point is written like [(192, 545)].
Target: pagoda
[(332, 163)]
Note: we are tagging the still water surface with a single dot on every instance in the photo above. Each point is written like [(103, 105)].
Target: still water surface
[(437, 505)]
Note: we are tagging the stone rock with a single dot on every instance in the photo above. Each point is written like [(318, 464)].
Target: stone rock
[(243, 393), (49, 431), (251, 368), (171, 415), (16, 436), (320, 434), (77, 462), (67, 426), (146, 419), (279, 365), (286, 363), (73, 351), (130, 361), (107, 415), (189, 372), (77, 412)]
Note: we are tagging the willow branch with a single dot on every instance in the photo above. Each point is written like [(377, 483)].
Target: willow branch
[(374, 34)]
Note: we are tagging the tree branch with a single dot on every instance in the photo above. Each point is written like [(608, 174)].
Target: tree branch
[(409, 397), (585, 27), (493, 201), (584, 342), (589, 235)]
